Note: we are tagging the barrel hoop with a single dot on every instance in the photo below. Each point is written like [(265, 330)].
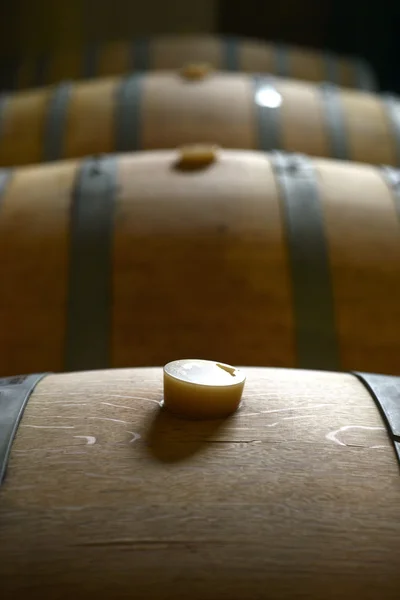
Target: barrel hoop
[(127, 114), (392, 179), (89, 309), (140, 54), (14, 395), (392, 107), (313, 305), (268, 114), (331, 68), (41, 68), (55, 122), (5, 176), (281, 60), (230, 53), (385, 390), (364, 76), (90, 61), (334, 116)]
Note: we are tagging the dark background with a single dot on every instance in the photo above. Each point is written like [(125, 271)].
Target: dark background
[(369, 28)]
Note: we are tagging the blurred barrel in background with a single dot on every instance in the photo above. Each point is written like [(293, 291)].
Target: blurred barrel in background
[(297, 493), (27, 28), (164, 110), (261, 259), (171, 52)]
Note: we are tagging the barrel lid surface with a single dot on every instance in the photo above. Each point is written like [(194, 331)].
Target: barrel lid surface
[(297, 494)]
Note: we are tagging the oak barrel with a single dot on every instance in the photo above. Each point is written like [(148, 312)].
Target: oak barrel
[(297, 495), (171, 52), (167, 109), (131, 260)]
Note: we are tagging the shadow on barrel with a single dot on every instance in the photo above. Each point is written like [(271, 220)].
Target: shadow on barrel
[(172, 439)]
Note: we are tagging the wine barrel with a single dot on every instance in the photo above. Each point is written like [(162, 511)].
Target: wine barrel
[(297, 495), (170, 52), (272, 260), (164, 110)]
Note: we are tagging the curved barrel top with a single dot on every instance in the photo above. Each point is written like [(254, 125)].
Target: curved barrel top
[(275, 260), (230, 53), (165, 109), (298, 492)]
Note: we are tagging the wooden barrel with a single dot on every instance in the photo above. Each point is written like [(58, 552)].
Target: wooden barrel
[(171, 52), (296, 496), (134, 260), (164, 110)]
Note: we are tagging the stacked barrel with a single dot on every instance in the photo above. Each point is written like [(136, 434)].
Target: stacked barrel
[(225, 199)]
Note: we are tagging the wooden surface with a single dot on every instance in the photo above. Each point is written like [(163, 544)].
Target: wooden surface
[(200, 264), (171, 52), (295, 496), (174, 111)]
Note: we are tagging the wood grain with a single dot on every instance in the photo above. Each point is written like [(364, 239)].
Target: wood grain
[(172, 111), (172, 51), (349, 199), (200, 264), (34, 246), (295, 496), (23, 122), (368, 128)]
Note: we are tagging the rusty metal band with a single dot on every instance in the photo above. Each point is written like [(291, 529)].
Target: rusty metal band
[(127, 114), (89, 308), (334, 118), (313, 305), (55, 124), (385, 390), (14, 395)]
